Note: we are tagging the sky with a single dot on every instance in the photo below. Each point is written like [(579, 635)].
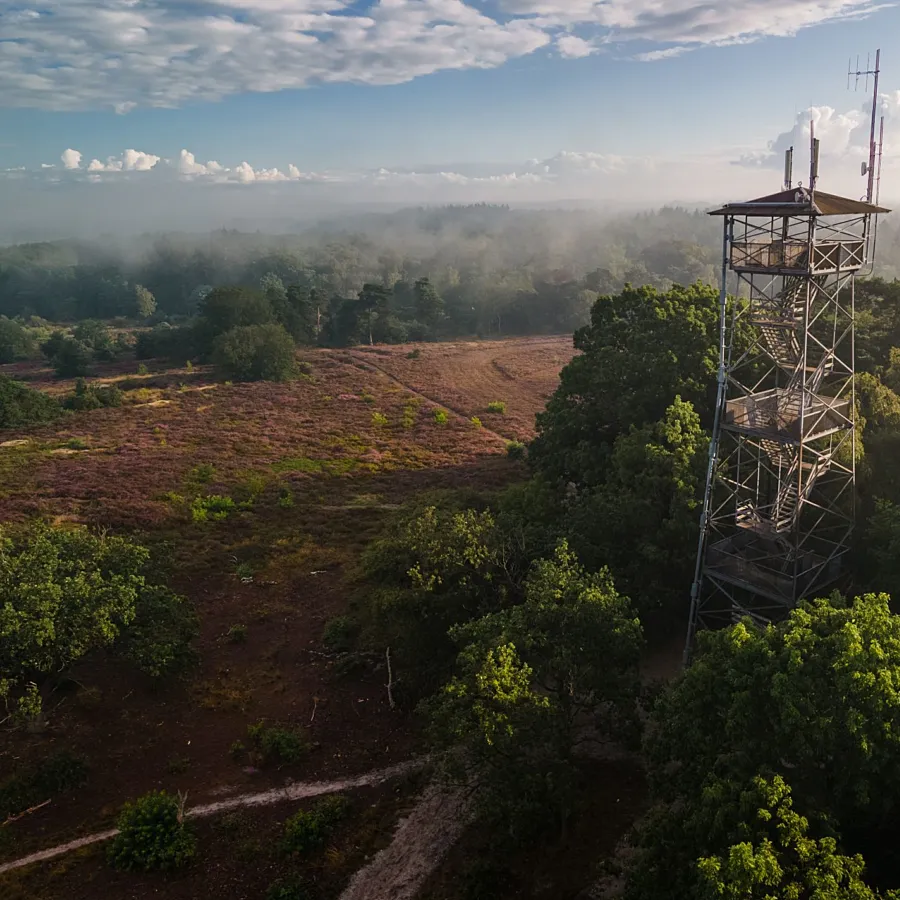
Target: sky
[(144, 114)]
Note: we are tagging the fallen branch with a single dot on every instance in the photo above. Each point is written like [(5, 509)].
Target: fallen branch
[(390, 681), (21, 815)]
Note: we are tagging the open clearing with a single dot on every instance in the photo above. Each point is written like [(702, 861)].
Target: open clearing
[(279, 568)]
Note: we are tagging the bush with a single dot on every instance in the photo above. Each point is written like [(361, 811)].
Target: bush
[(379, 420), (441, 417), (497, 406), (152, 835), (56, 775), (338, 634), (414, 354), (515, 450), (255, 353), (21, 405), (203, 473), (237, 634), (72, 359), (89, 396), (285, 498), (310, 829), (167, 342), (213, 508), (278, 744), (477, 422)]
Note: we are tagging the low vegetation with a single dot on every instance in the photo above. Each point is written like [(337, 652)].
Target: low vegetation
[(152, 835)]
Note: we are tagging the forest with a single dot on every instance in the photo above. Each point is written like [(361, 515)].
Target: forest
[(190, 424)]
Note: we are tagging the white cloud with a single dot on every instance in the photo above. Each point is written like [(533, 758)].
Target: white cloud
[(571, 46), (129, 161), (118, 54), (71, 159)]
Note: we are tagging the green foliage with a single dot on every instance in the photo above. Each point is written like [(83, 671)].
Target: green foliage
[(441, 417), (652, 492), (309, 830), (255, 353), (21, 405), (515, 450), (72, 359), (227, 308), (338, 634), (379, 420), (528, 678), (410, 412), (58, 774), (144, 302), (203, 473), (152, 835), (497, 406), (414, 354), (142, 369), (92, 396), (214, 508), (16, 341), (277, 743), (882, 548), (809, 702), (159, 640), (65, 592), (285, 498), (642, 348)]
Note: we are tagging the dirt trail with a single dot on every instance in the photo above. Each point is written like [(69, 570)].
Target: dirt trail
[(299, 791), (420, 842)]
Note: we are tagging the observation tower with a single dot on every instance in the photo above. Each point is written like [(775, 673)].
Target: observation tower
[(778, 508)]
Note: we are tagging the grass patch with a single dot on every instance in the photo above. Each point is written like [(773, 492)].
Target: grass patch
[(308, 466)]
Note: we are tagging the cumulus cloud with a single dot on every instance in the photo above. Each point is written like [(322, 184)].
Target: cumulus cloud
[(118, 54), (571, 46), (129, 161), (71, 159)]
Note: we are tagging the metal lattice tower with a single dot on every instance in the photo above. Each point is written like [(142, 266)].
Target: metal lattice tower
[(779, 504)]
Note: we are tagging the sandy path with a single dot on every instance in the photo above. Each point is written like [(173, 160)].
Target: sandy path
[(420, 842), (299, 791)]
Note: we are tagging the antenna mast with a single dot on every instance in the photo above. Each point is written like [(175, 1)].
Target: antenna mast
[(869, 168)]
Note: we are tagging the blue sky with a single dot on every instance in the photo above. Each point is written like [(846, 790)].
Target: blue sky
[(488, 99)]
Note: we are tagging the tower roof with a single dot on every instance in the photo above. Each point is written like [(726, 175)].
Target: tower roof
[(798, 202)]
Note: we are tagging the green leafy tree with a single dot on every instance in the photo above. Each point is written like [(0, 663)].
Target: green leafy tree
[(642, 348), (428, 304), (65, 593), (530, 679), (811, 701), (256, 353), (97, 338), (21, 405), (72, 359), (152, 834), (16, 341), (144, 302), (225, 308), (652, 494)]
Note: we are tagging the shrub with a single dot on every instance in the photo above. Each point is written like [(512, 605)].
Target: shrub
[(515, 450), (152, 835), (203, 473), (409, 417), (285, 498), (237, 634), (72, 359), (414, 354), (441, 417), (255, 353), (277, 743), (56, 775), (22, 405), (310, 829), (379, 420), (366, 397), (477, 422), (338, 634), (213, 508), (76, 444), (89, 396), (142, 369), (497, 406)]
